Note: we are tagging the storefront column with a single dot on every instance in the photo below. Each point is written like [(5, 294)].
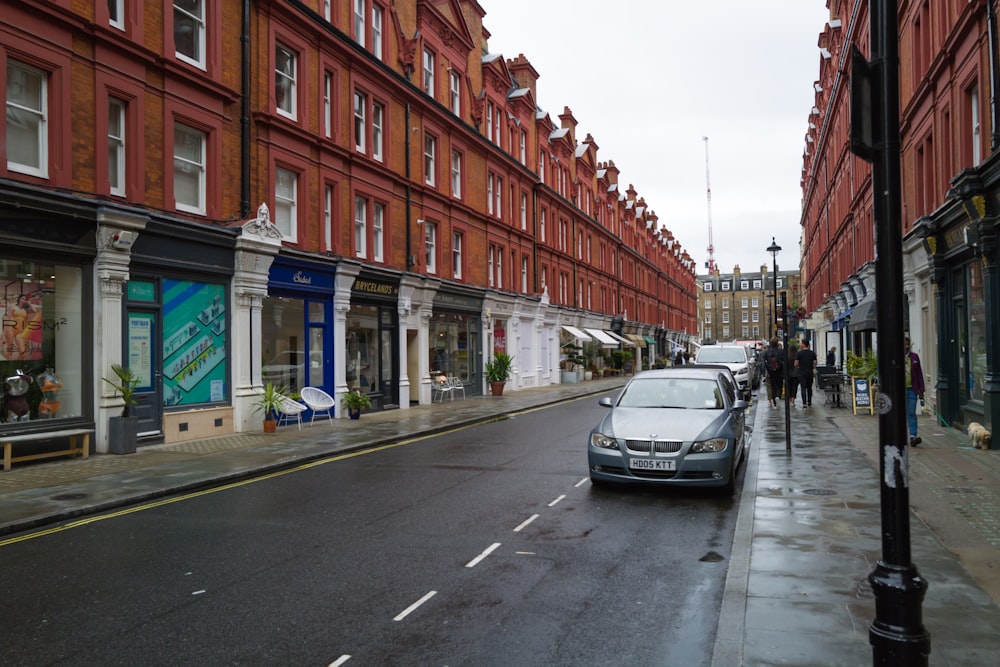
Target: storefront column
[(991, 292), (403, 308), (343, 282), (115, 235), (258, 243)]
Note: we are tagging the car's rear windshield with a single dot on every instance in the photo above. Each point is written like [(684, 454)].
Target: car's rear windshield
[(688, 393), (721, 355)]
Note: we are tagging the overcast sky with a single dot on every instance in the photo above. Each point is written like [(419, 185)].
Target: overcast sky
[(649, 80)]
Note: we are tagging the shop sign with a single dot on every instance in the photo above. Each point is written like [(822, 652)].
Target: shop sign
[(300, 278), (375, 288), (456, 301)]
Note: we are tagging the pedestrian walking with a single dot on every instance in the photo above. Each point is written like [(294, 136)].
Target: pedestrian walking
[(914, 389), (774, 366), (793, 380), (805, 366)]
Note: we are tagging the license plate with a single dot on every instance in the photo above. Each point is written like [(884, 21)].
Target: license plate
[(652, 464)]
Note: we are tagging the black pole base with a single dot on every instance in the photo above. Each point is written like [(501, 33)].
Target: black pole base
[(897, 634)]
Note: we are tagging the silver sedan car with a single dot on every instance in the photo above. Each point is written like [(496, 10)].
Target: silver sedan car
[(683, 426)]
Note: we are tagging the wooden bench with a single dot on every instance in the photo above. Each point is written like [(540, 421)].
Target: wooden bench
[(79, 443)]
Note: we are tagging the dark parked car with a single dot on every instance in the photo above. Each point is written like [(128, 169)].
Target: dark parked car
[(683, 426)]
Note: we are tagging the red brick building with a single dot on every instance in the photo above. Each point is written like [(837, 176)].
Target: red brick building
[(422, 209), (948, 104)]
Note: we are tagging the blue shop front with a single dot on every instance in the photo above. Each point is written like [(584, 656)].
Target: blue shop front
[(297, 347)]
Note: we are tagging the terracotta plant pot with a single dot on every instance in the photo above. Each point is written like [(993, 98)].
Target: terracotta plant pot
[(496, 388), (270, 425)]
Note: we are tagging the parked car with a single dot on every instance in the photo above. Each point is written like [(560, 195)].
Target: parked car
[(683, 426), (737, 357)]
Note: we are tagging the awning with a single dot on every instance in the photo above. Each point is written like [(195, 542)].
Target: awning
[(638, 340), (619, 339), (863, 317), (575, 333), (603, 337), (649, 339)]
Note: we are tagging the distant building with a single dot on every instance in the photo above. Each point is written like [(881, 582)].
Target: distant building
[(740, 306)]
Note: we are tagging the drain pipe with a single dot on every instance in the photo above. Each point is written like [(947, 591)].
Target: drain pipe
[(991, 31), (410, 259), (245, 113)]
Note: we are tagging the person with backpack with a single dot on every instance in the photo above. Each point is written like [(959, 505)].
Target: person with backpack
[(774, 363)]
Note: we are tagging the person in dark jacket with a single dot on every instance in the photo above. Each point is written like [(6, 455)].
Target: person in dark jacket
[(805, 366), (774, 366), (914, 390), (793, 379)]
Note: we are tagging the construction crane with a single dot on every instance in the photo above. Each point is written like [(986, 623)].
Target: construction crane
[(708, 191)]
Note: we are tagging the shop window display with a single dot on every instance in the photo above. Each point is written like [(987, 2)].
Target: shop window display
[(41, 333), (449, 354), (363, 358)]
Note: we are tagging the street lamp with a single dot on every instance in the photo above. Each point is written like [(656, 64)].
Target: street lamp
[(774, 249)]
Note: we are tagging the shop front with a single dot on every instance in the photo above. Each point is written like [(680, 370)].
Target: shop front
[(177, 337), (297, 348), (961, 244), (46, 370), (372, 339), (455, 339)]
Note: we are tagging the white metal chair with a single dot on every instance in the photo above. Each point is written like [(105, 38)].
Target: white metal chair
[(318, 401), (441, 386), (289, 409), (456, 386)]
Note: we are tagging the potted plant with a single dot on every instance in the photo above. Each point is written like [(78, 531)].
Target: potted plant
[(354, 402), (123, 430), (571, 363), (268, 403), (498, 371)]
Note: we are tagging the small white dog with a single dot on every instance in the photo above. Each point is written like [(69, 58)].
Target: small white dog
[(980, 437)]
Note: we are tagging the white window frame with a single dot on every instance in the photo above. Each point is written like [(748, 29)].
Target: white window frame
[(378, 120), (185, 163), (360, 120), (490, 276), (976, 126), (327, 104), (489, 121), (725, 285), (725, 303), (745, 302), (524, 276), (377, 16), (116, 14), (541, 225), (523, 147), (326, 10), (456, 174), (359, 22), (378, 232), (360, 227), (286, 203), (755, 316), (430, 246), (328, 217), (455, 91), (524, 210), (757, 284), (116, 146), (287, 77), (707, 287), (489, 193), (708, 318), (755, 302), (427, 79), (430, 159), (708, 304), (198, 21), (499, 266), (35, 129), (498, 198), (744, 284), (456, 255)]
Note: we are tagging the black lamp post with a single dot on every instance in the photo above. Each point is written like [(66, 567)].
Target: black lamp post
[(774, 249)]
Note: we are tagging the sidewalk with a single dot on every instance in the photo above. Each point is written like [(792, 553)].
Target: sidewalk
[(807, 535)]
